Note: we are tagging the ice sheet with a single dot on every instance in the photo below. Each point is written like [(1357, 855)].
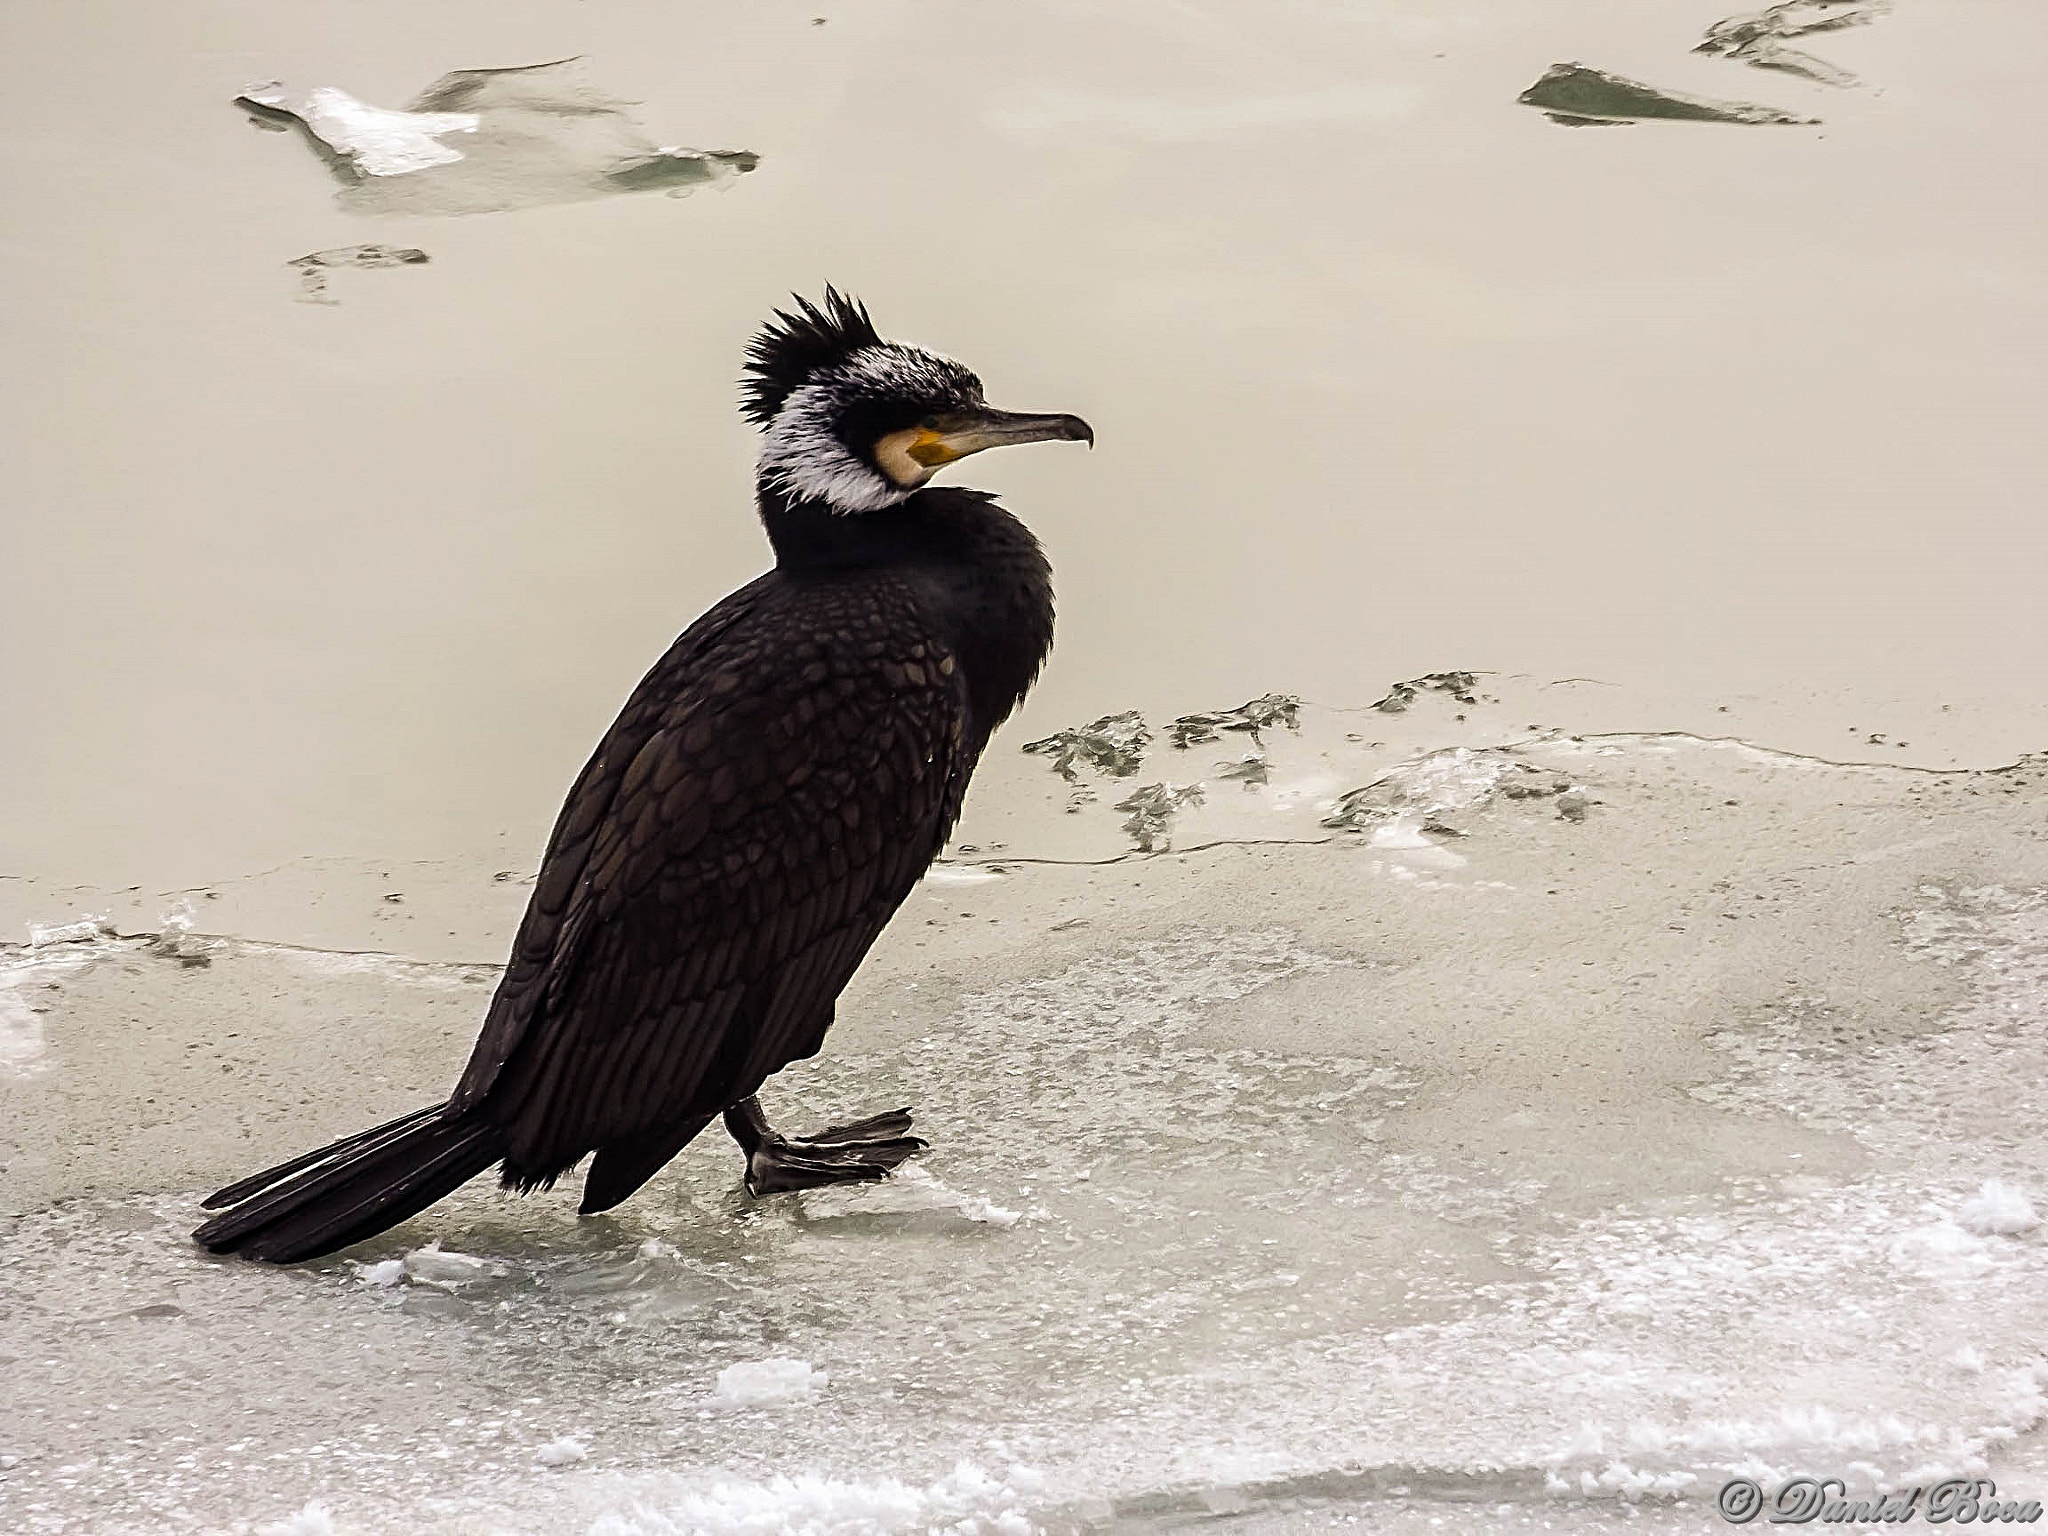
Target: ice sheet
[(1589, 1175)]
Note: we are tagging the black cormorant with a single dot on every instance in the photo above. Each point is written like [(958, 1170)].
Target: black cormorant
[(770, 794)]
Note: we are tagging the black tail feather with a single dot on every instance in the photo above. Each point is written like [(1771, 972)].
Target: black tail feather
[(235, 1194), (352, 1189)]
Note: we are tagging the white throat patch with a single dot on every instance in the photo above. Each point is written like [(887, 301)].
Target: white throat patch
[(803, 456)]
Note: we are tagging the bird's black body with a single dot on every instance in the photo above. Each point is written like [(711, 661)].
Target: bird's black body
[(769, 795)]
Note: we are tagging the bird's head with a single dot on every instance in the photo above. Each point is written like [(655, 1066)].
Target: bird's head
[(860, 423)]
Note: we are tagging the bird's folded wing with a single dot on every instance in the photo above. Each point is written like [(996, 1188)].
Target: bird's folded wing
[(770, 793)]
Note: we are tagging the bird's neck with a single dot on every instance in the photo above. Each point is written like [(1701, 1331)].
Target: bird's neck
[(979, 572)]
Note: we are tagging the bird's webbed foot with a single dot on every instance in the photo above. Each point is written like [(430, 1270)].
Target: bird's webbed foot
[(858, 1153)]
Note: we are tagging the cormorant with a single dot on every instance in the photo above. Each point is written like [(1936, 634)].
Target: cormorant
[(770, 794)]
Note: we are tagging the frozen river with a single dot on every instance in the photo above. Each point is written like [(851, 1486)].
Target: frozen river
[(1520, 1101)]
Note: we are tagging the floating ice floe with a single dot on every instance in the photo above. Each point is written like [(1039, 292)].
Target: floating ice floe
[(485, 140), (753, 1382)]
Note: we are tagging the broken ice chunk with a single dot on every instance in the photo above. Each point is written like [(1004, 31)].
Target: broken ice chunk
[(387, 1272), (753, 1382), (434, 1265), (96, 926), (175, 940), (485, 140), (945, 872), (1578, 93)]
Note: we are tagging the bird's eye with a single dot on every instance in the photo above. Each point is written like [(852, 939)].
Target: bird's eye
[(930, 423)]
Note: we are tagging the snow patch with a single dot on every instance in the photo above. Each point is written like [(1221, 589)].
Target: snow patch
[(1998, 1209), (21, 1038), (752, 1382), (53, 951), (314, 1520), (564, 1452), (966, 1502), (1941, 1250)]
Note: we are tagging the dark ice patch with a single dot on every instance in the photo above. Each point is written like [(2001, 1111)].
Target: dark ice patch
[(314, 267), (1150, 811), (1759, 38), (1578, 94), (1252, 717), (1114, 745), (1459, 686), (1251, 770)]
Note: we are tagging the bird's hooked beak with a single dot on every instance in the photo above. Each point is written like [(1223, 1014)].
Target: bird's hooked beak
[(910, 456), (959, 433)]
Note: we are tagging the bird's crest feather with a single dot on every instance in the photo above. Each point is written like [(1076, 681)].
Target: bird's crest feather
[(792, 347)]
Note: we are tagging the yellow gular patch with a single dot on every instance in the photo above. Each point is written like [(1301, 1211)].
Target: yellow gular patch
[(930, 448), (909, 457)]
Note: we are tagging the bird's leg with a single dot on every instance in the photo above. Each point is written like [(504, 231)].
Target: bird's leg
[(841, 1154)]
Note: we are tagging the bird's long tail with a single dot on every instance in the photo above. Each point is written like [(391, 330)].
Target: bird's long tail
[(351, 1190)]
